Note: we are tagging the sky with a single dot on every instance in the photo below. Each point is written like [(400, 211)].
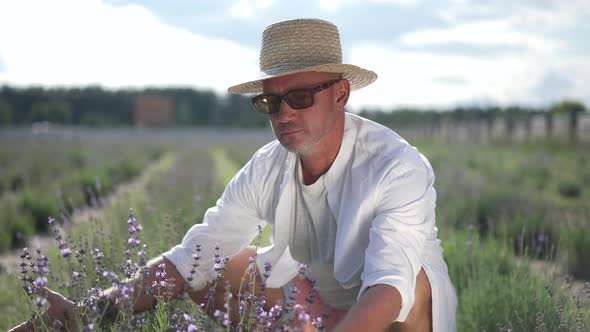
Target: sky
[(427, 53)]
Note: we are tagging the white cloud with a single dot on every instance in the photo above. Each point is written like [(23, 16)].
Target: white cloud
[(263, 4), (414, 78), (335, 5), (245, 8), (398, 2), (545, 15), (71, 42), (242, 8), (490, 33)]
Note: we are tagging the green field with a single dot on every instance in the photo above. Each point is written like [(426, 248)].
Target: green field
[(514, 219)]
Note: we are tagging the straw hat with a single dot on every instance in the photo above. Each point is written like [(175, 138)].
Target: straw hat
[(303, 45)]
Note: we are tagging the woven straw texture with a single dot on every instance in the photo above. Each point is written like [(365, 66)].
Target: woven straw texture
[(303, 45)]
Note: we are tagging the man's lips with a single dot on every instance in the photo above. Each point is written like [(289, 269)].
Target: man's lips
[(289, 128), (291, 132)]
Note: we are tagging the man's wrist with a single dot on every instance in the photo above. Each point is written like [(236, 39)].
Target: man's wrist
[(107, 310), (103, 309)]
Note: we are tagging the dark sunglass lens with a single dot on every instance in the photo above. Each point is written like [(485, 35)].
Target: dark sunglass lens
[(299, 99), (267, 103)]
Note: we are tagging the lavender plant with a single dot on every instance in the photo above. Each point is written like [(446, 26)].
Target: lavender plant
[(86, 285)]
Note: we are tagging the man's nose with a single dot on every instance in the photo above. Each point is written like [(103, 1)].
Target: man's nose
[(285, 113)]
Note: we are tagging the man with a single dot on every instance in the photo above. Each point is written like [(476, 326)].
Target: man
[(347, 197)]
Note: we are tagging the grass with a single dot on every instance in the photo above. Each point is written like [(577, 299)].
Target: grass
[(43, 176), (512, 193), (495, 293)]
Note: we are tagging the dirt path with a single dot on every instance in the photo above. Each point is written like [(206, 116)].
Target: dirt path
[(9, 262)]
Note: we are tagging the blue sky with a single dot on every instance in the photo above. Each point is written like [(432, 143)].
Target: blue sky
[(427, 53)]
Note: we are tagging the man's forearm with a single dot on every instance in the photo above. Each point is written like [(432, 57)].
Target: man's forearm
[(375, 310)]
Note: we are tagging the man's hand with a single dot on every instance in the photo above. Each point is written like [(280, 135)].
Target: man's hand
[(60, 309), (61, 312)]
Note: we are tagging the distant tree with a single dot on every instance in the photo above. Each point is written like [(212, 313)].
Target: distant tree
[(567, 106), (572, 108), (57, 111), (5, 112)]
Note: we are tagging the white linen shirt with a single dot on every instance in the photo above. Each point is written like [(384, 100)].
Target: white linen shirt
[(380, 190)]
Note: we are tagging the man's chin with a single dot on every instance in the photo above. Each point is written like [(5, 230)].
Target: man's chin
[(289, 147)]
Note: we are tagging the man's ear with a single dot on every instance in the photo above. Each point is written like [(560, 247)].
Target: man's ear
[(342, 93)]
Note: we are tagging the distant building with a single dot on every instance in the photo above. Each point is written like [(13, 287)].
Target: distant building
[(153, 111)]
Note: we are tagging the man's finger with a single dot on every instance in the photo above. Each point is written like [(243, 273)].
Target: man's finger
[(50, 295), (303, 318)]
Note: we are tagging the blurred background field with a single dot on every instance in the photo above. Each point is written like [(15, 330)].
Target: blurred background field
[(513, 217)]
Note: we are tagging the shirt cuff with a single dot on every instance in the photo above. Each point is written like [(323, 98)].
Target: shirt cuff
[(182, 258), (403, 287)]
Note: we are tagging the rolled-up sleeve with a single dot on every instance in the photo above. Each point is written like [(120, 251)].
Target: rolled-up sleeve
[(232, 223), (404, 219)]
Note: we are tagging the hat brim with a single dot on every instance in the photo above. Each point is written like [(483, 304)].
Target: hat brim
[(358, 77)]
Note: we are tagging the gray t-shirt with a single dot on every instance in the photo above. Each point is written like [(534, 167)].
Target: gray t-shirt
[(312, 241)]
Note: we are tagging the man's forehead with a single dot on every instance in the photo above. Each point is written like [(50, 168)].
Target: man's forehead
[(298, 80)]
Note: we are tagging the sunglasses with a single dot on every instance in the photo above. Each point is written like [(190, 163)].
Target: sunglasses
[(296, 99)]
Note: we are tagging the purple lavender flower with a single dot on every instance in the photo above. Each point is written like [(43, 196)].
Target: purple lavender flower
[(28, 289), (303, 317), (133, 242), (42, 260), (196, 258), (131, 229), (40, 301), (251, 269), (302, 269), (131, 219), (226, 320), (97, 254), (162, 272), (318, 323), (126, 291), (26, 253), (228, 295), (66, 252), (40, 281), (160, 277), (188, 318), (142, 254), (313, 291)]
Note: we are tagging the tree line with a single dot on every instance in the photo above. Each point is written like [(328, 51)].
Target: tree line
[(95, 106), (98, 107)]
